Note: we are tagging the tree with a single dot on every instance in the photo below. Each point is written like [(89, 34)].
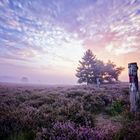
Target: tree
[(91, 68), (86, 68), (24, 79), (112, 72), (99, 70)]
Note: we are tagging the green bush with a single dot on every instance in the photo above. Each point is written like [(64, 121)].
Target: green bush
[(23, 135), (115, 109)]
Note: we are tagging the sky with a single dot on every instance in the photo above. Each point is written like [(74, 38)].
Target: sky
[(44, 39)]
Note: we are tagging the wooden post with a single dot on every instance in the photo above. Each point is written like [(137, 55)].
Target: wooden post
[(133, 86)]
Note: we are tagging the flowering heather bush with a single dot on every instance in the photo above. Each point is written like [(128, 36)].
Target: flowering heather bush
[(75, 93), (64, 113), (130, 131), (93, 103), (70, 131)]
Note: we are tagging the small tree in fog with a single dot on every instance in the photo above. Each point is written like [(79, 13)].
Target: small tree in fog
[(24, 79), (86, 68)]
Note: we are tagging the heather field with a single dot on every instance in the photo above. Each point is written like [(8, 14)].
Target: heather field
[(30, 112)]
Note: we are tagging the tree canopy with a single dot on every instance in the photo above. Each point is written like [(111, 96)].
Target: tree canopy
[(90, 68)]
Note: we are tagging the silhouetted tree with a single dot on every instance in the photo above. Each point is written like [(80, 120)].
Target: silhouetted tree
[(91, 68), (112, 72), (86, 69)]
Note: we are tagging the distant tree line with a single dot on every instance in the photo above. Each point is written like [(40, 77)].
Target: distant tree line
[(90, 68)]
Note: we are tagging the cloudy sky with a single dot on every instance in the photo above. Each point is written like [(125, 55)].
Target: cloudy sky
[(44, 39)]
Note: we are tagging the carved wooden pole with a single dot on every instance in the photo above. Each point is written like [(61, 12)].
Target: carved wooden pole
[(133, 86)]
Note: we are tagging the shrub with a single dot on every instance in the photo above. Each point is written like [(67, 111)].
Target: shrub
[(75, 93), (93, 103), (130, 131), (22, 135), (67, 131), (70, 131), (115, 109), (74, 112)]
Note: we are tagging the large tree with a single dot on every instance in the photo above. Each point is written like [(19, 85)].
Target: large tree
[(90, 69), (86, 68)]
